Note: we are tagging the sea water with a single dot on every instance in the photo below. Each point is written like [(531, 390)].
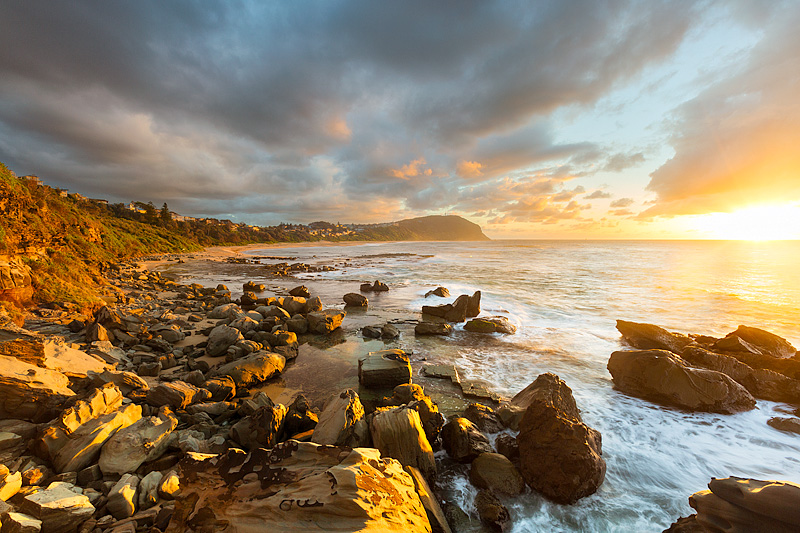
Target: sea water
[(564, 297)]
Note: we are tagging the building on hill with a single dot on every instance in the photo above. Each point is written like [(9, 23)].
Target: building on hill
[(34, 180)]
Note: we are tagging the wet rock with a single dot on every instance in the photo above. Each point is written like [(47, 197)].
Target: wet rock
[(302, 291), (297, 324), (463, 441), (560, 456), (759, 382), (122, 497), (308, 486), (688, 524), (767, 343), (388, 331), (398, 433), (221, 338), (313, 305), (273, 311), (432, 328), (494, 324), (663, 377), (251, 369), (496, 473), (29, 392), (294, 305), (748, 505), (322, 322), (491, 510), (61, 507), (791, 425), (254, 287), (442, 372), (649, 336), (261, 429), (143, 441), (439, 311), (342, 422), (474, 305), (735, 344), (371, 332), (384, 369), (508, 446), (176, 394), (353, 299), (442, 292), (436, 516), (378, 286), (74, 440), (483, 417), (458, 313)]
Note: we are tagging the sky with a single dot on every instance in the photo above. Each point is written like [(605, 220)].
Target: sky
[(561, 119)]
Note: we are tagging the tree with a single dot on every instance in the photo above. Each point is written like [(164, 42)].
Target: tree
[(165, 216)]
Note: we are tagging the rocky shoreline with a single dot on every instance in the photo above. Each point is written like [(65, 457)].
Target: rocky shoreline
[(179, 408)]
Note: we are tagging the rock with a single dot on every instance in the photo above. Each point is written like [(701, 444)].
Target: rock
[(748, 505), (458, 313), (398, 433), (299, 417), (733, 343), (341, 422), (169, 332), (766, 342), (442, 372), (52, 354), (371, 332), (261, 429), (294, 305), (791, 425), (248, 299), (143, 441), (96, 332), (375, 287), (491, 510), (434, 511), (74, 440), (463, 441), (254, 368), (277, 312), (353, 299), (442, 292), (244, 324), (494, 324), (507, 446), (313, 305), (60, 507), (432, 328), (254, 287), (125, 381), (301, 487), (323, 322), (560, 456), (20, 523), (297, 324), (170, 486), (687, 524), (759, 382), (437, 310), (9, 440), (663, 377), (31, 393), (176, 394), (9, 483), (148, 490), (496, 473), (222, 388), (474, 305), (483, 417), (302, 291), (648, 336), (388, 331), (384, 369), (122, 497), (221, 338)]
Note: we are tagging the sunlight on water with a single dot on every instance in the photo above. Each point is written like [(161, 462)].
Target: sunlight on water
[(565, 297)]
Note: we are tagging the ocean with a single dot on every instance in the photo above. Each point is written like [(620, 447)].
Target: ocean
[(565, 297)]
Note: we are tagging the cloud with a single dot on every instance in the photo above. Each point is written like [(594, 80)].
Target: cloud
[(597, 195), (736, 143), (622, 202), (469, 169), (411, 170)]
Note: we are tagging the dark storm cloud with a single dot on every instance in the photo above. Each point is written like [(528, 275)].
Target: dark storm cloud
[(299, 110)]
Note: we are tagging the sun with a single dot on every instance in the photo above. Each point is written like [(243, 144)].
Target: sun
[(757, 223)]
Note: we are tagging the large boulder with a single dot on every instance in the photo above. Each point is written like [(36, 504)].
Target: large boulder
[(384, 369), (74, 440), (176, 394), (262, 428), (474, 305), (322, 322), (663, 377), (458, 312), (294, 305), (463, 441), (497, 473), (125, 381), (560, 456), (432, 328), (651, 337), (297, 487), (398, 433), (342, 422), (759, 382), (122, 500), (221, 338), (299, 418), (767, 343), (441, 292), (61, 507), (493, 324), (52, 354), (491, 510), (742, 505), (352, 299), (144, 440), (253, 368), (29, 392)]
